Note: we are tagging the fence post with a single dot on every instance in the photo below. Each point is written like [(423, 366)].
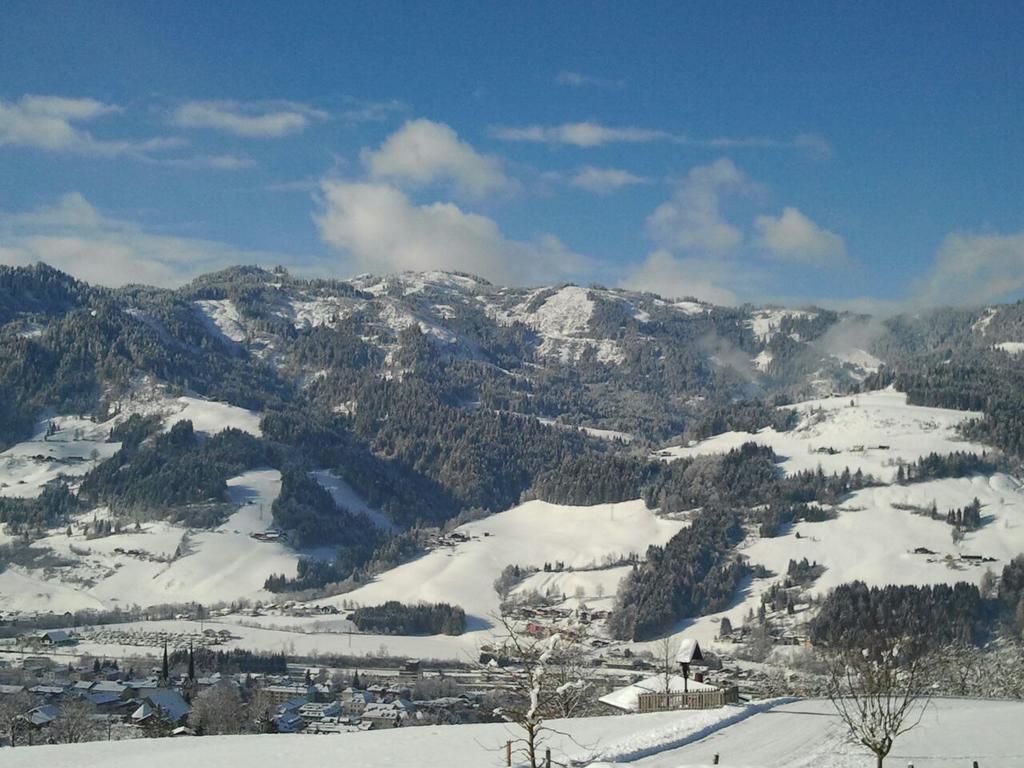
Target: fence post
[(547, 758), (715, 761), (508, 753), (975, 764)]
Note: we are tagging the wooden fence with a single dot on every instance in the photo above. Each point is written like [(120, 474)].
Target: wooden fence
[(660, 702)]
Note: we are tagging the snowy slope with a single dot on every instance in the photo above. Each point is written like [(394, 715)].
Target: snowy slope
[(528, 535), (160, 562), (856, 431), (77, 446), (808, 734)]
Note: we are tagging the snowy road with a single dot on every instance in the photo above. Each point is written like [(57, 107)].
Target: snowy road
[(808, 733)]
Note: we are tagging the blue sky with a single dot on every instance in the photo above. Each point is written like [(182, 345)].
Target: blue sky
[(868, 155)]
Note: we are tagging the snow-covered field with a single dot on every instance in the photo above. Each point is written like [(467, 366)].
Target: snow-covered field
[(78, 445), (160, 562), (531, 534), (874, 533), (800, 734), (877, 431), (808, 734)]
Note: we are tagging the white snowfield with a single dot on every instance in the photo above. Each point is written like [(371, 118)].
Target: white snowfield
[(797, 734), (808, 734), (211, 417), (874, 533), (142, 567), (531, 534), (77, 446), (872, 435)]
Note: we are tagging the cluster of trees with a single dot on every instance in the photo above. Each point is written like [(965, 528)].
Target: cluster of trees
[(802, 572), (936, 466), (167, 474), (310, 516), (395, 618), (694, 573), (855, 615), (968, 518), (229, 662), (748, 416), (54, 506)]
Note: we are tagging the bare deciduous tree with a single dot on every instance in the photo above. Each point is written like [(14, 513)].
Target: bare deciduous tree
[(879, 694), (75, 723), (12, 707), (218, 710), (538, 682)]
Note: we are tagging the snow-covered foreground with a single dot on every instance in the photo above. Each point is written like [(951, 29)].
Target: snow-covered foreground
[(801, 734), (808, 734), (877, 431)]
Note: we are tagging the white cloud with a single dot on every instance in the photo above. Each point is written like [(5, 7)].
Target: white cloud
[(384, 232), (584, 134), (75, 237), (262, 120), (214, 162), (692, 220), (579, 80), (357, 111), (50, 123), (604, 180), (972, 269), (681, 278), (794, 237), (591, 134), (422, 152)]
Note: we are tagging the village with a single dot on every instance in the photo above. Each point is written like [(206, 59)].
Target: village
[(50, 700)]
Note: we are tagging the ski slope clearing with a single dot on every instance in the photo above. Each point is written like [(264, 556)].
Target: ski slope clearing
[(531, 534), (808, 734), (345, 496), (877, 431), (159, 562)]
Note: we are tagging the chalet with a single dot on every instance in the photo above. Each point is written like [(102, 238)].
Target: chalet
[(42, 716), (57, 637), (168, 705)]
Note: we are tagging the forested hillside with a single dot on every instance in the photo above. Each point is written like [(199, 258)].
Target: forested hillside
[(438, 398)]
